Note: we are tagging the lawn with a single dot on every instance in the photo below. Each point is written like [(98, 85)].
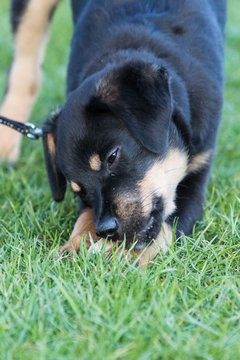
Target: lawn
[(185, 306)]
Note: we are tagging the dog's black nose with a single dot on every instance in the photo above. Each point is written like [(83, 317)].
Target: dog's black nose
[(107, 227)]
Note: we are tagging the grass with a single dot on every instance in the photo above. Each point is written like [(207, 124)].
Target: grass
[(185, 306)]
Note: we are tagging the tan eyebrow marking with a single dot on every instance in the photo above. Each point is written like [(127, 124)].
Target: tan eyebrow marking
[(75, 187), (95, 162)]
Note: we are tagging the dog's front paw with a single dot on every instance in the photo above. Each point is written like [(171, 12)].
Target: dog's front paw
[(71, 246), (110, 249), (84, 230), (105, 246)]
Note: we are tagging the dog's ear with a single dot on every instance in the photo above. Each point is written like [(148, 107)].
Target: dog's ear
[(56, 179), (139, 94)]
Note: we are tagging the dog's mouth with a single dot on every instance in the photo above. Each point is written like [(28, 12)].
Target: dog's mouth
[(137, 240), (152, 226)]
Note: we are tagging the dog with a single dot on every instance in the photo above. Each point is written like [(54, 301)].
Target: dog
[(136, 136)]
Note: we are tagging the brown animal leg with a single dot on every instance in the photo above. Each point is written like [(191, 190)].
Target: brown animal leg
[(83, 229), (25, 75)]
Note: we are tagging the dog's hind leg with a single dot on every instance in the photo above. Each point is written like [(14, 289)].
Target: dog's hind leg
[(30, 21)]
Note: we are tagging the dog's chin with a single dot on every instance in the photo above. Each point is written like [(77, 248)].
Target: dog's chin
[(147, 234)]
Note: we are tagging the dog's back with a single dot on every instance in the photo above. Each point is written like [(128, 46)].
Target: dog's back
[(188, 27), (187, 36)]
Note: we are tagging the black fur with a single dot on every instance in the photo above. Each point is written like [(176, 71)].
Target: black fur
[(57, 181), (144, 77), (17, 10)]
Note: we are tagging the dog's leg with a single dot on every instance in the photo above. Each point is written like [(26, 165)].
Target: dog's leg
[(83, 229), (190, 199), (30, 20)]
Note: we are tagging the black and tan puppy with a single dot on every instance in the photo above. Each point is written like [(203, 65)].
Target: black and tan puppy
[(136, 135)]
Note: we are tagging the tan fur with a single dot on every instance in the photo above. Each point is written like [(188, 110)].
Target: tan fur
[(75, 187), (25, 76), (51, 145), (199, 161), (95, 162), (126, 204), (84, 228), (162, 180)]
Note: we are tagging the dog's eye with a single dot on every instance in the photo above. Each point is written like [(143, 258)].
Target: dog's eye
[(112, 157)]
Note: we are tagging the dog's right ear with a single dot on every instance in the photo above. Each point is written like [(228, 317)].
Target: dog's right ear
[(56, 179)]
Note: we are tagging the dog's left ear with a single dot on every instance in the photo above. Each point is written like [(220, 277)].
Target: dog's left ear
[(56, 179), (139, 94)]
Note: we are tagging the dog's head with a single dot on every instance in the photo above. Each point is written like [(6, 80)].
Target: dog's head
[(115, 143)]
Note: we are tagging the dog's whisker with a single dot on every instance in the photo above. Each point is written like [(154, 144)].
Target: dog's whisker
[(174, 169), (155, 191)]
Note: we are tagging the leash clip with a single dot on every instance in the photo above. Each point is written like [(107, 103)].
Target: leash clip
[(33, 132), (27, 129)]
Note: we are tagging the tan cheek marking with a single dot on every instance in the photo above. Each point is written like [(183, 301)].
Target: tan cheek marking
[(95, 162), (127, 205), (75, 187), (199, 161), (162, 243), (162, 180)]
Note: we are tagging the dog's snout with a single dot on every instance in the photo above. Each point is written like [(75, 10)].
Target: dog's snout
[(107, 227)]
